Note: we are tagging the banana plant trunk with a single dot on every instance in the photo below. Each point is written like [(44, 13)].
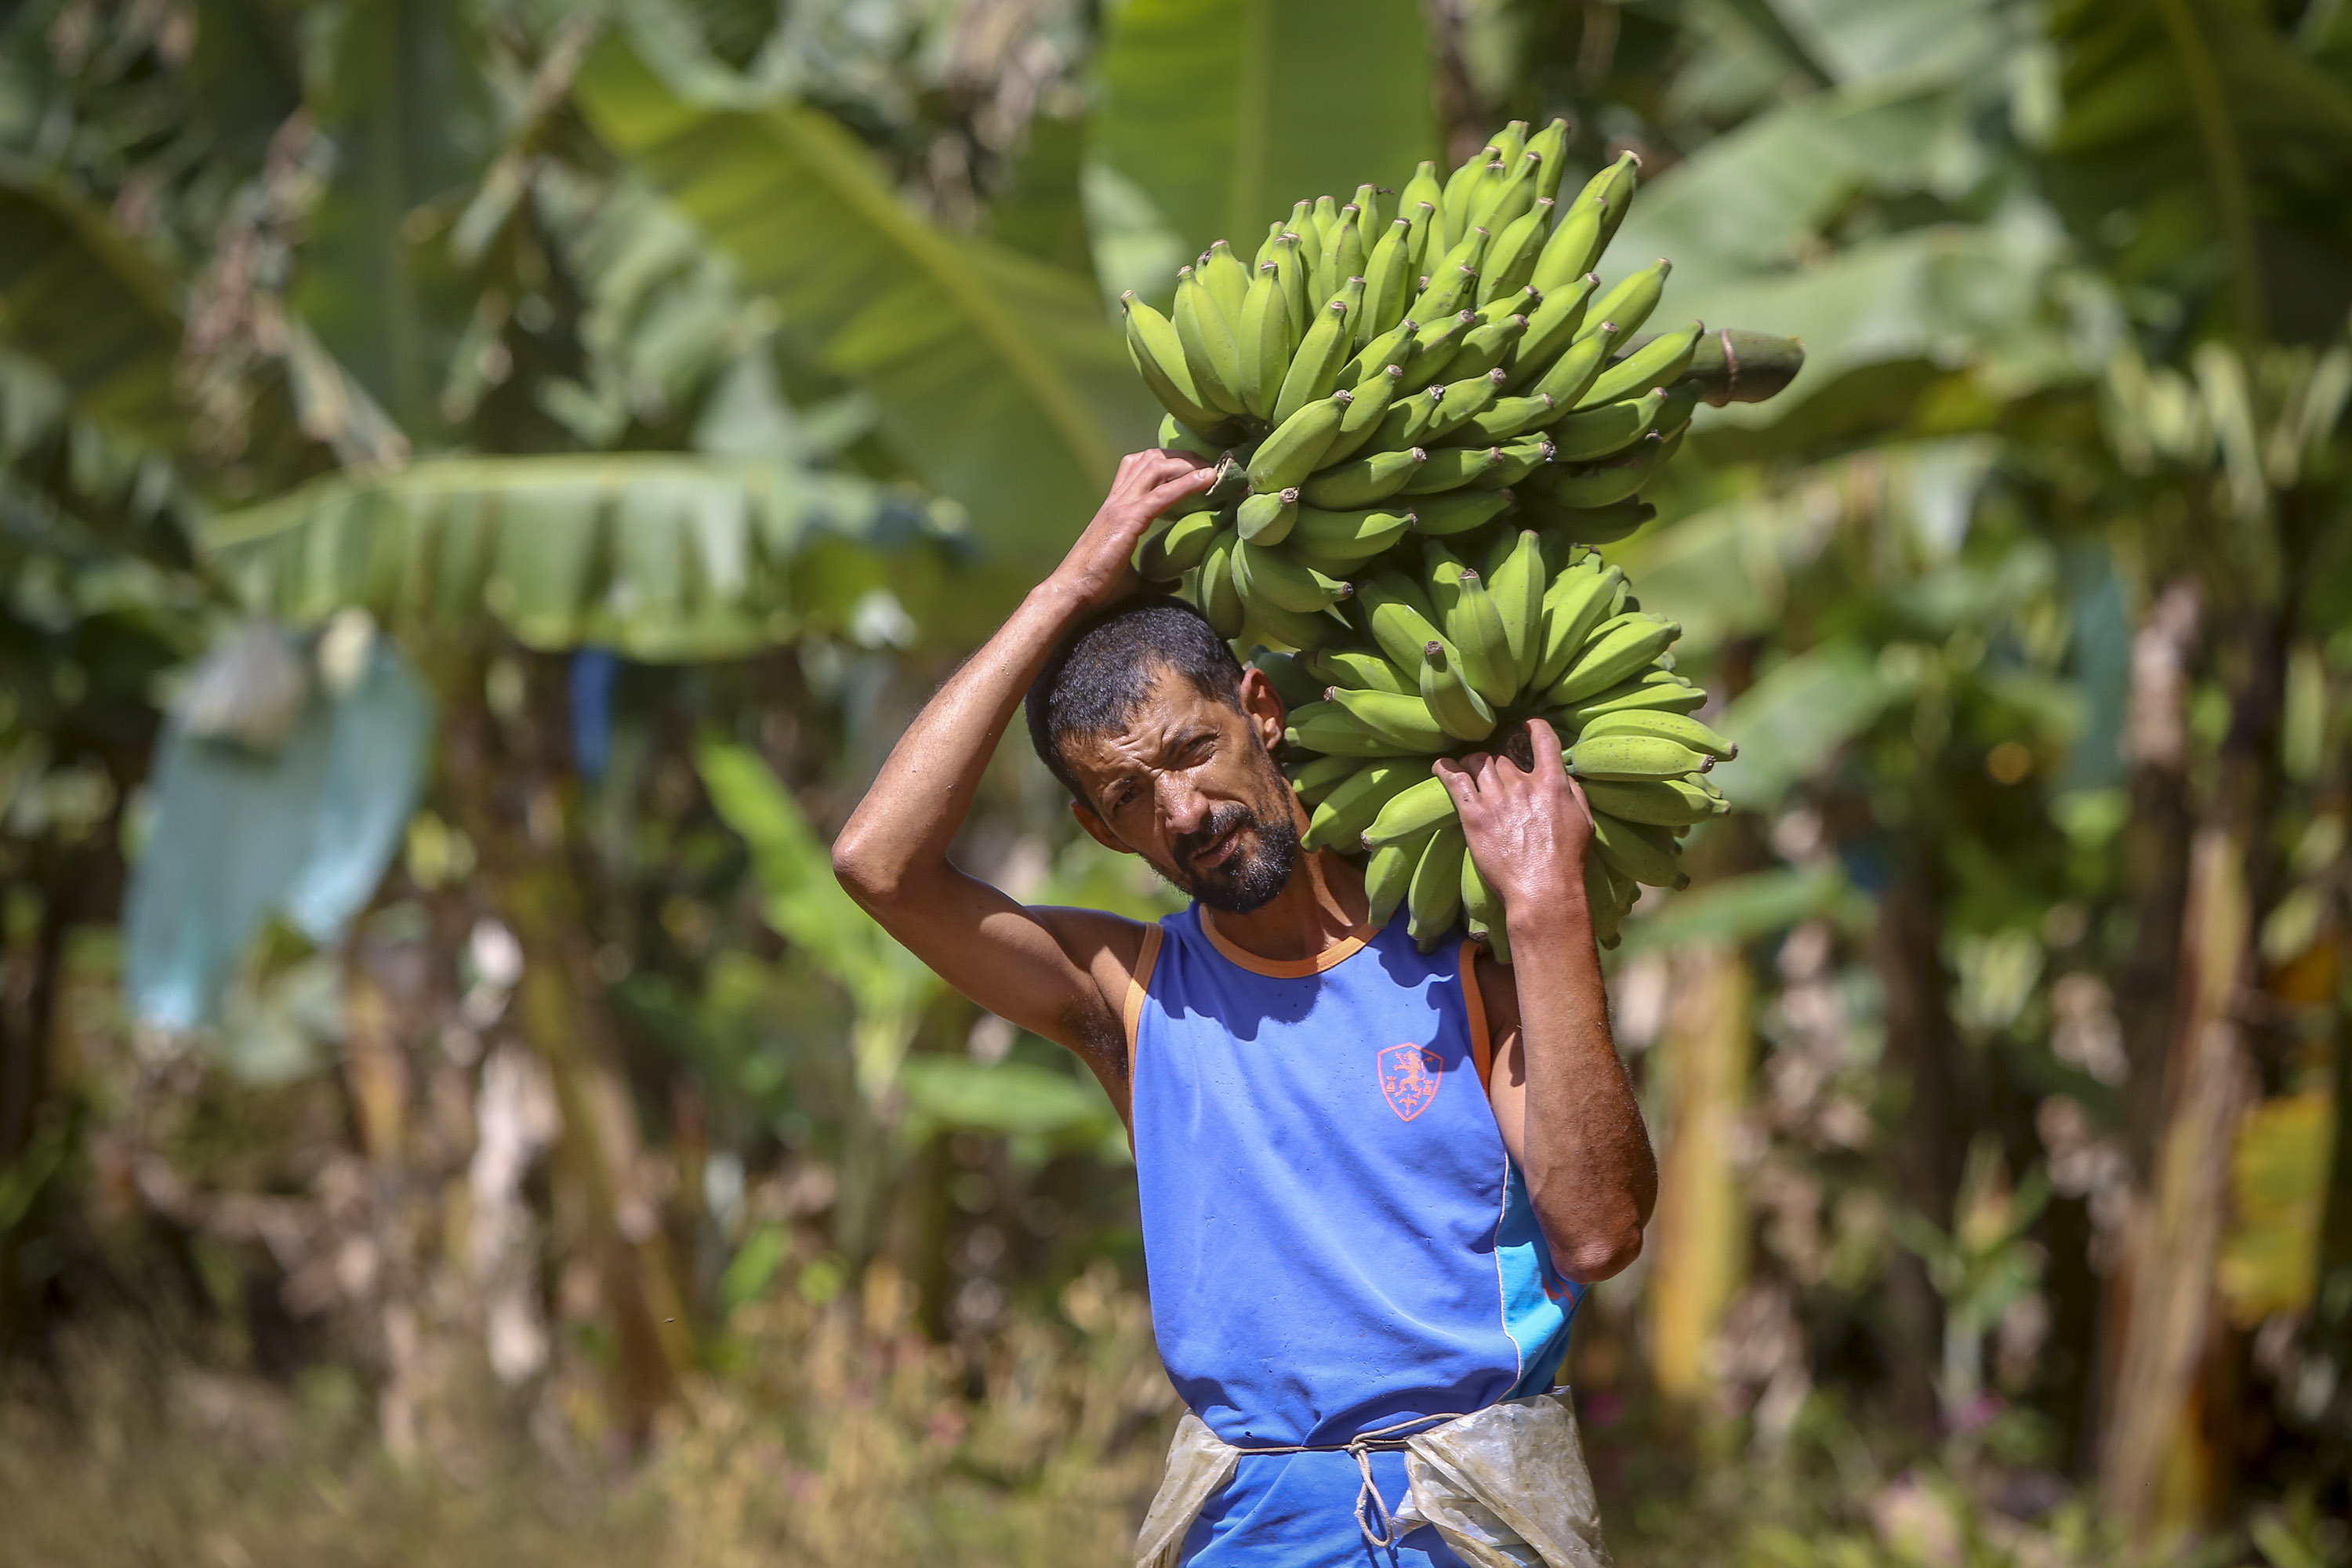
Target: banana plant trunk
[(1705, 1055), (508, 796), (2164, 1454)]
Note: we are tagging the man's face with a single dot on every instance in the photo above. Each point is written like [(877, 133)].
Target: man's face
[(1188, 783)]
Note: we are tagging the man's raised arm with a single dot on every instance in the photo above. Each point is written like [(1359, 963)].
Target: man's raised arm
[(1056, 972)]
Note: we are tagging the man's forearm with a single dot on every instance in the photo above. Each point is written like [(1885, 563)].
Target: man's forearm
[(919, 802), (1588, 1165)]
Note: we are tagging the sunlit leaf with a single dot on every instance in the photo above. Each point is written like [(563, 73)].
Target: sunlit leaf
[(660, 555), (1226, 112), (995, 379), (1793, 723)]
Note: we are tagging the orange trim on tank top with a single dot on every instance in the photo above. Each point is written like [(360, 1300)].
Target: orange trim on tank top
[(1138, 985), (1331, 957), (1474, 1004)]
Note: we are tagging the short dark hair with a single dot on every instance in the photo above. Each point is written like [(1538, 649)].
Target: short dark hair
[(1105, 668)]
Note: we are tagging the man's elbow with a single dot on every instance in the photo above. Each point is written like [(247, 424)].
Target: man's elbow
[(867, 875), (1598, 1253)]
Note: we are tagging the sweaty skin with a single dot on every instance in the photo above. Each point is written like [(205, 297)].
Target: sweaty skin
[(1180, 785)]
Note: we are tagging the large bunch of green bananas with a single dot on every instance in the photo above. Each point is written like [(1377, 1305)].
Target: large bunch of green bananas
[(1389, 393), (1460, 656)]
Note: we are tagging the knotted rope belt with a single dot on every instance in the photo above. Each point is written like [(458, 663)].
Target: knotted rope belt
[(1361, 1446)]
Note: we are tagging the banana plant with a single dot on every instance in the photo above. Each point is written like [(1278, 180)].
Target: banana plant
[(889, 989), (995, 379), (1222, 112)]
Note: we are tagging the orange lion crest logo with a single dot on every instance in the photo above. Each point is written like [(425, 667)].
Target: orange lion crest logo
[(1409, 1078)]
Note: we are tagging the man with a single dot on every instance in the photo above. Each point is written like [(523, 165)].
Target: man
[(1374, 1182)]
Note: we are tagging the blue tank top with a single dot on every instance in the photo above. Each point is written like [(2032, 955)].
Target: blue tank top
[(1334, 1238)]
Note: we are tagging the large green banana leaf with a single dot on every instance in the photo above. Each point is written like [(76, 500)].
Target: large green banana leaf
[(90, 307), (406, 109), (995, 379), (660, 555), (1225, 112)]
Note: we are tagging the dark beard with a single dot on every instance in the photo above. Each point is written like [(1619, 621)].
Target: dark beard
[(1250, 879)]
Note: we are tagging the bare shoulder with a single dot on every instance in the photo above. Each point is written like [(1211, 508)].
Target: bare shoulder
[(1499, 996), (1109, 949)]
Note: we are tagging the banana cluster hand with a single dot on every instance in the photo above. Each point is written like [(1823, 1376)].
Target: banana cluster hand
[(1424, 415)]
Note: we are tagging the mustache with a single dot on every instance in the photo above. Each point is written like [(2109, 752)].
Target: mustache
[(1222, 820)]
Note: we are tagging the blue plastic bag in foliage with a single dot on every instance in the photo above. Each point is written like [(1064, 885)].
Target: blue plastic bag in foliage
[(304, 828)]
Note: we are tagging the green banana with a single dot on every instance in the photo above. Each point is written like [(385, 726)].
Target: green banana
[(1524, 302), (1601, 484), (1424, 186), (1451, 468), (1313, 782), (1503, 419), (1218, 600), (1466, 257), (1461, 401), (1661, 803), (1614, 186), (1553, 325), (1303, 224), (1502, 201), (1208, 339), (1616, 650), (1423, 239), (1549, 148), (1363, 480), (1159, 355), (1347, 811), (1292, 270), (1629, 304), (1607, 427), (1369, 216), (1474, 623), (1461, 711), (1601, 901), (1284, 458), (1326, 218), (1486, 346), (1175, 435), (1405, 720), (1326, 727), (1656, 691), (1388, 877), (1288, 675), (1420, 805), (1387, 282), (1435, 349), (1643, 853), (1402, 623), (1459, 511), (1359, 671), (1407, 419), (1356, 535), (1315, 368), (1227, 279), (1265, 341), (1343, 252), (1269, 576), (1460, 188), (1576, 601), (1365, 415), (1574, 246), (1578, 366), (1517, 459), (1680, 728), (1176, 545), (1435, 900), (1661, 360), (1517, 584), (1392, 348), (1484, 913), (1593, 525), (1511, 259), (1266, 517), (1451, 288), (1633, 757)]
